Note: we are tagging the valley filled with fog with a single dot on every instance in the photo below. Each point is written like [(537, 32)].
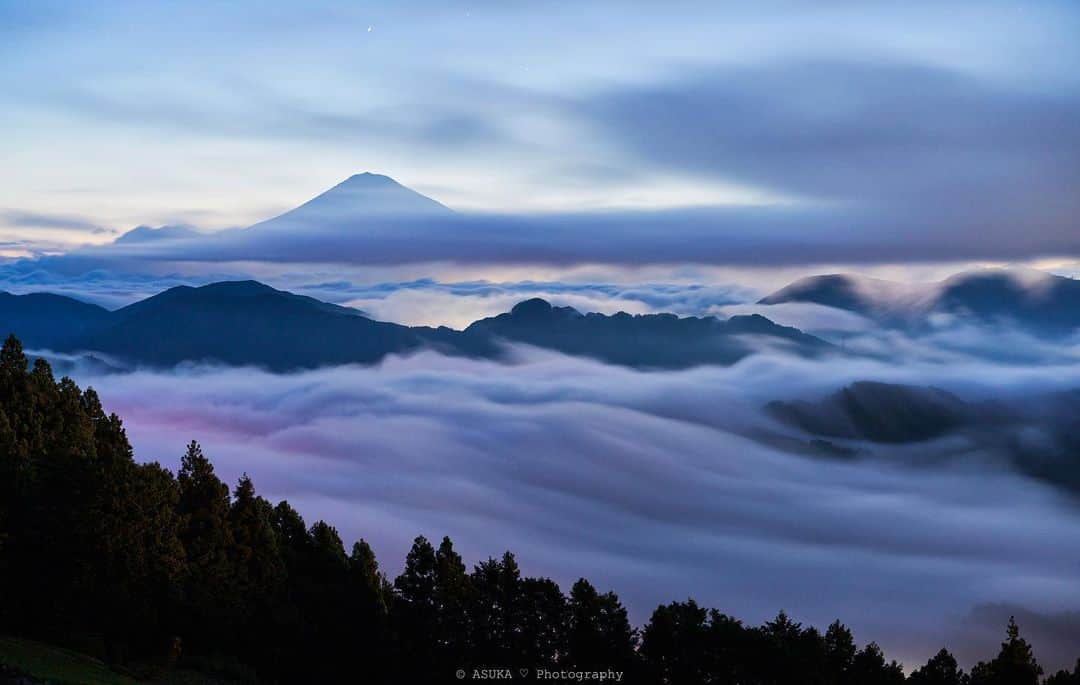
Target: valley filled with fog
[(650, 482)]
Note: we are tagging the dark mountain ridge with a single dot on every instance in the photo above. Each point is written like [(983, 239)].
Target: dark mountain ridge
[(246, 323), (249, 323), (1041, 303), (48, 320), (644, 340)]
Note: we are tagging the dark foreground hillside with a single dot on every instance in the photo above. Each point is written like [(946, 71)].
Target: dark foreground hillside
[(156, 574)]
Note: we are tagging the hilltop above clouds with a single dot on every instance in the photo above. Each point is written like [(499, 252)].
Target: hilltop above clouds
[(1039, 302)]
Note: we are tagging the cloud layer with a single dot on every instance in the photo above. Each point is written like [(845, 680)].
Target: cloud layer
[(916, 159), (645, 483)]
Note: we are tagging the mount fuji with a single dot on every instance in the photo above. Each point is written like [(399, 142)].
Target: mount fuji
[(358, 200)]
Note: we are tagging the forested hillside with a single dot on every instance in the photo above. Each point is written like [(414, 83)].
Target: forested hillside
[(157, 569)]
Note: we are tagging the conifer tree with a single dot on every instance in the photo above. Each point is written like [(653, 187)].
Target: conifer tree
[(372, 597), (599, 633), (207, 539), (330, 630), (1064, 677), (140, 559), (869, 667), (675, 642), (497, 611), (453, 595), (416, 607), (1015, 664), (258, 569), (257, 561), (542, 617), (941, 669), (839, 651)]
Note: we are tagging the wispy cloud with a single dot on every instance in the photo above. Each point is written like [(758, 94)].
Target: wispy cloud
[(25, 219), (916, 159)]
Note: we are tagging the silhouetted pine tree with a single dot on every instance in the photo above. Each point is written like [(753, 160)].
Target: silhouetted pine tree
[(870, 668), (675, 644), (792, 652), (139, 556), (287, 627), (1014, 665), (497, 612), (599, 634), (210, 587), (1064, 677), (370, 596), (16, 473), (258, 570), (840, 652), (330, 631), (541, 629), (453, 596), (415, 612), (941, 669)]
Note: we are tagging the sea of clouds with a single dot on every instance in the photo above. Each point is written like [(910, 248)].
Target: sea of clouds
[(652, 484)]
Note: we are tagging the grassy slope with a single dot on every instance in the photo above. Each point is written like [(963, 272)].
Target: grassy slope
[(65, 667), (58, 665)]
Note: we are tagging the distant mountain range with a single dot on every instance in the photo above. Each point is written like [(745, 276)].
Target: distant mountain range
[(1039, 302), (142, 235), (372, 219), (249, 323)]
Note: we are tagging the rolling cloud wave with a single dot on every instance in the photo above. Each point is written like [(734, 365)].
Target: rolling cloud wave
[(626, 477)]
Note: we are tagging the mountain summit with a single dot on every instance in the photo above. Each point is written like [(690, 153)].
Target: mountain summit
[(361, 199)]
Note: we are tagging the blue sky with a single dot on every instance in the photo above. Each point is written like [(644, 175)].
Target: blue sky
[(955, 118)]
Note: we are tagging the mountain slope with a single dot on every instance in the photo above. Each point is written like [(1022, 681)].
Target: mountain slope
[(646, 341), (246, 323), (44, 320)]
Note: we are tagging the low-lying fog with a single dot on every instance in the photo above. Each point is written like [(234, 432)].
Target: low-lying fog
[(646, 483)]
